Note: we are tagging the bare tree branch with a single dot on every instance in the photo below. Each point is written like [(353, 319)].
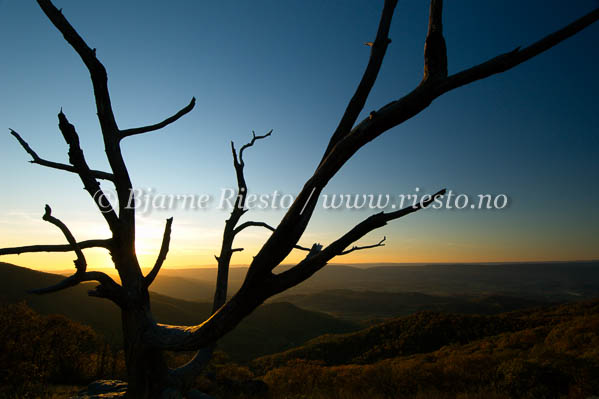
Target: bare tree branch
[(506, 61), (245, 225), (248, 145), (110, 133), (106, 244), (252, 295), (293, 224), (105, 280), (97, 71), (435, 50), (166, 239), (227, 250), (109, 288), (55, 165), (77, 159), (359, 248), (377, 53), (186, 373), (80, 262), (160, 125), (312, 264)]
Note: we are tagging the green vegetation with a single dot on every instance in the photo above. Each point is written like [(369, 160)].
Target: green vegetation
[(36, 351), (544, 353)]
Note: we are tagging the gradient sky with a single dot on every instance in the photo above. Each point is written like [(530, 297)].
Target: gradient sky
[(291, 66)]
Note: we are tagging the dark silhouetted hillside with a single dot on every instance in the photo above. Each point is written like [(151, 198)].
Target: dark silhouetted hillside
[(286, 325)]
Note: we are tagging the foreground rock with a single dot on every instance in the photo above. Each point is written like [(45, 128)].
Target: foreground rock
[(103, 389), (108, 389)]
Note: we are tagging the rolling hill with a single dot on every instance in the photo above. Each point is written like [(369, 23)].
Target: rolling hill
[(277, 321), (373, 305), (547, 352)]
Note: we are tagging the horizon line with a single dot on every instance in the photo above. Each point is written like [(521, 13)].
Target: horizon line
[(355, 264)]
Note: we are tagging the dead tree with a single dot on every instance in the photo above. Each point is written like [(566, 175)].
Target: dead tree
[(144, 338)]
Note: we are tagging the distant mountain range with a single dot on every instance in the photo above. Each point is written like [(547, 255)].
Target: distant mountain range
[(338, 299), (388, 290), (566, 280), (554, 281)]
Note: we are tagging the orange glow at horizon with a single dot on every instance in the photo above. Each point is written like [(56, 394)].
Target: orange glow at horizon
[(100, 259), (196, 245)]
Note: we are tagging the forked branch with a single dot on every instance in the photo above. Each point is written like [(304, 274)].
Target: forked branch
[(312, 264), (91, 185), (80, 262), (246, 146), (187, 372), (378, 48), (255, 292), (295, 221), (230, 230), (108, 287), (110, 135)]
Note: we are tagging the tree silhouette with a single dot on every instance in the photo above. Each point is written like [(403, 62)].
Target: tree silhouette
[(144, 338)]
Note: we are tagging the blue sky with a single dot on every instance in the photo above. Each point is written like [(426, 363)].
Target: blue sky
[(291, 66)]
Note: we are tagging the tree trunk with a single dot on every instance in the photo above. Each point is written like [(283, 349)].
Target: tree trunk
[(147, 371)]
